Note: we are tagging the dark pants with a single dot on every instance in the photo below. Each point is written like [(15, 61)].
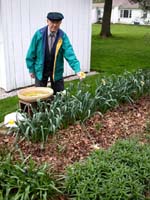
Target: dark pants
[(57, 86)]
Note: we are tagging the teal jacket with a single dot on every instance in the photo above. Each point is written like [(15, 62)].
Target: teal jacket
[(63, 49)]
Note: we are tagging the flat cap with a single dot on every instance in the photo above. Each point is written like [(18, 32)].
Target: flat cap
[(55, 16)]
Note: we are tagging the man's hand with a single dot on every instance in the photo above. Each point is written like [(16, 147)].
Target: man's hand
[(32, 75), (81, 75)]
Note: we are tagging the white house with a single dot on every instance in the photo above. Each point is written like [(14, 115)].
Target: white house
[(97, 12), (19, 19), (122, 12)]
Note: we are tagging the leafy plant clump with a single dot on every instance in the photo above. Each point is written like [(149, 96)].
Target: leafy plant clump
[(121, 172), (24, 180), (113, 90), (67, 108)]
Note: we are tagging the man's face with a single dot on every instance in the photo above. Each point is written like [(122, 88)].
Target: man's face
[(53, 25)]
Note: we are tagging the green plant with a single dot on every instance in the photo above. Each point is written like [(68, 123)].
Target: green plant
[(44, 121), (64, 110), (24, 180), (113, 90), (148, 126), (67, 108), (3, 151), (121, 172), (147, 131), (98, 126)]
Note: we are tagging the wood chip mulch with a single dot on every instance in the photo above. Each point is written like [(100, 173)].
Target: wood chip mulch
[(78, 141)]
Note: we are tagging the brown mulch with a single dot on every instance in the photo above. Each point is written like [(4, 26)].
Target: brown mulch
[(76, 142)]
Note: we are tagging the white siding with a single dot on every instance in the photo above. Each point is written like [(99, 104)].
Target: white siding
[(136, 13), (94, 15), (21, 18), (2, 63)]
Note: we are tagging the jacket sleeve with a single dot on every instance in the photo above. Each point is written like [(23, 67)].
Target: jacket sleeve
[(31, 54), (70, 55)]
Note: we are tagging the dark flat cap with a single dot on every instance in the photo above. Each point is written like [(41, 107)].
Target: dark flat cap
[(55, 16)]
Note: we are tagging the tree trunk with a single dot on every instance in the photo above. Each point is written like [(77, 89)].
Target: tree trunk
[(105, 31)]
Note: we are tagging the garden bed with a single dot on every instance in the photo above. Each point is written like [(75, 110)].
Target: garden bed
[(76, 142)]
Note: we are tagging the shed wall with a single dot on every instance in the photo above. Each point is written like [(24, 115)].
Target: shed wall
[(19, 21)]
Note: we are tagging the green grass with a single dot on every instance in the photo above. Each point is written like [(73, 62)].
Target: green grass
[(8, 105), (128, 49)]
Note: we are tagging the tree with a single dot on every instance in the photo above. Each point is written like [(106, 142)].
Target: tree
[(105, 30), (145, 4)]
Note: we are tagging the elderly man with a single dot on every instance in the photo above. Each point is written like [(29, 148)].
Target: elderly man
[(45, 57)]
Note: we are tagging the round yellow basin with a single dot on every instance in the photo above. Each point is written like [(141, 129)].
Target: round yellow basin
[(33, 94)]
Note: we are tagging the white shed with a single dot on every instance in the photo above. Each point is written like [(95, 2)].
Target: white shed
[(19, 19)]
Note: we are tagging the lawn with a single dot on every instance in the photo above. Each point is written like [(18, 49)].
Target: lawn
[(128, 49), (8, 105)]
